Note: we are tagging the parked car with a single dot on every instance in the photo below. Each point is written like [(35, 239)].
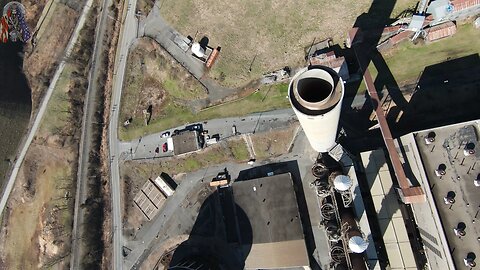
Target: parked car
[(165, 147), (194, 127), (166, 134)]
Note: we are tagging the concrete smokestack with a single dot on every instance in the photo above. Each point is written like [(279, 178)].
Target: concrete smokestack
[(316, 95)]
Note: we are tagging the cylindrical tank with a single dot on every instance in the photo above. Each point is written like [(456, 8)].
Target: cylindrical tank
[(356, 243), (198, 50), (316, 95)]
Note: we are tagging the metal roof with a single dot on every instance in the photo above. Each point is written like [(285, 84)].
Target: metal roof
[(185, 142), (461, 171), (417, 23), (271, 207)]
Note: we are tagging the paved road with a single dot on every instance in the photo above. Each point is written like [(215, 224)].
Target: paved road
[(89, 109), (43, 105), (127, 35), (258, 122)]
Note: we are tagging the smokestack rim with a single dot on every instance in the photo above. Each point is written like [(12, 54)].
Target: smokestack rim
[(316, 108), (308, 88)]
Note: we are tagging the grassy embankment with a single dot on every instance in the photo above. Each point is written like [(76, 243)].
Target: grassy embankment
[(173, 115), (408, 60), (153, 78)]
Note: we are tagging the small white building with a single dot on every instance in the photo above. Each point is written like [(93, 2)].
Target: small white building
[(164, 187)]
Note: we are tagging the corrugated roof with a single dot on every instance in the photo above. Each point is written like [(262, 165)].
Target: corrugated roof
[(399, 37), (441, 31), (464, 4)]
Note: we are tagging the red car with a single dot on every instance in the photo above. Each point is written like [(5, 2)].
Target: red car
[(165, 147)]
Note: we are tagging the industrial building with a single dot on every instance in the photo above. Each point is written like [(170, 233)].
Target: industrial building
[(316, 95), (329, 59), (256, 224), (271, 207), (441, 232), (444, 161), (343, 216), (387, 209), (186, 142)]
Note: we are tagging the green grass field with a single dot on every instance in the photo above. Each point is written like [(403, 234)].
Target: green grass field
[(239, 149), (173, 114), (408, 60), (274, 33), (405, 71)]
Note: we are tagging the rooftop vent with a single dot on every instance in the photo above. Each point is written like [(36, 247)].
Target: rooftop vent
[(430, 138), (441, 170), (342, 183), (460, 229), (357, 244), (469, 149), (450, 198), (469, 260)]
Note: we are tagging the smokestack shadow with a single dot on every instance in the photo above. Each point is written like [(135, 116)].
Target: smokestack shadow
[(446, 93), (221, 237)]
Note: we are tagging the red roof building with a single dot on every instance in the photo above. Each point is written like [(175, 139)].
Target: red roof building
[(441, 31)]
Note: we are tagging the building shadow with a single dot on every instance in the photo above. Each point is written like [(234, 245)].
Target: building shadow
[(355, 117), (221, 237), (204, 42), (170, 181), (446, 93)]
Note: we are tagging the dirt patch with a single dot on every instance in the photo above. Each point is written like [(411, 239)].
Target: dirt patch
[(155, 86), (275, 143), (258, 36), (41, 61), (152, 77), (162, 254), (37, 230), (261, 36), (132, 217)]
